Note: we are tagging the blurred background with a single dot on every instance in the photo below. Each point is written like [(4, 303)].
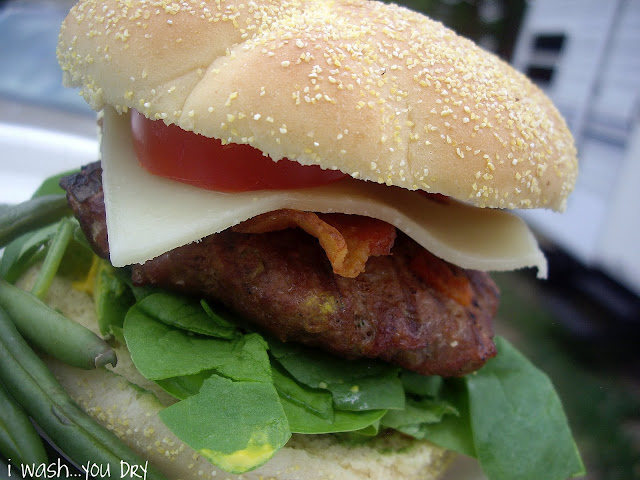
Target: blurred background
[(582, 326)]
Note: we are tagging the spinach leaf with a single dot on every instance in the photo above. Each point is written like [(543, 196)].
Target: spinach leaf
[(453, 432), (418, 414), (435, 410), (311, 410), (235, 425), (421, 385), (317, 402), (185, 385), (519, 427), (303, 421), (230, 411), (221, 317), (356, 385), (186, 314), (160, 351)]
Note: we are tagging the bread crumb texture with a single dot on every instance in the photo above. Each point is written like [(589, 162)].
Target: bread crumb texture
[(127, 404), (374, 90)]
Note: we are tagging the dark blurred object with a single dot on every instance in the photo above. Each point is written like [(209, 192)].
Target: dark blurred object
[(494, 24), (598, 316)]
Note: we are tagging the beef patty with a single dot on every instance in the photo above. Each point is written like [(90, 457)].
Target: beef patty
[(283, 283)]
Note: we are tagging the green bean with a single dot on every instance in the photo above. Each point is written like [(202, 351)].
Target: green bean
[(52, 260), (18, 219), (52, 332), (19, 440), (61, 419)]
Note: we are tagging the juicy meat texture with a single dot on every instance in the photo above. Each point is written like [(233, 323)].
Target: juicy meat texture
[(283, 283)]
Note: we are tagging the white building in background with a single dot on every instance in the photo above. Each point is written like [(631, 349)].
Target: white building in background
[(586, 56)]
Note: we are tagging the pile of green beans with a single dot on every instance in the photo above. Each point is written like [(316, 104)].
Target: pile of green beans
[(28, 389), (54, 257), (34, 387), (53, 333), (19, 439)]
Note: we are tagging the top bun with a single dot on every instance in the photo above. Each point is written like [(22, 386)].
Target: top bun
[(374, 90)]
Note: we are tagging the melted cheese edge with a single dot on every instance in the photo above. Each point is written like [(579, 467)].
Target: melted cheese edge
[(148, 215)]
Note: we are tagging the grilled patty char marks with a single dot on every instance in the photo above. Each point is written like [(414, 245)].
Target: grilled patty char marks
[(283, 282), (85, 197)]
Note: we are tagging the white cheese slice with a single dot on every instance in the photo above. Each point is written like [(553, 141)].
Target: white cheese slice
[(149, 215)]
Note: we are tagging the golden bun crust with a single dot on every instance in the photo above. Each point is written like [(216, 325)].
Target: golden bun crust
[(371, 89), (126, 403)]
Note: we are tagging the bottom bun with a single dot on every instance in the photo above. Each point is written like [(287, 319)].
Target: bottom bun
[(126, 403)]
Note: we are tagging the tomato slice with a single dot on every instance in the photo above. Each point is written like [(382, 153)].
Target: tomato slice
[(171, 152)]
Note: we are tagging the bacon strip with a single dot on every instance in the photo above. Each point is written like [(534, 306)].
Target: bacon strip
[(348, 240), (444, 277)]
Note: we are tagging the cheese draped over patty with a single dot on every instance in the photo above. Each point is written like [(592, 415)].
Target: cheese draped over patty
[(149, 215)]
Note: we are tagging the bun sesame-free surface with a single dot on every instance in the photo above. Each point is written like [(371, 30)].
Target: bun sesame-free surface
[(374, 90)]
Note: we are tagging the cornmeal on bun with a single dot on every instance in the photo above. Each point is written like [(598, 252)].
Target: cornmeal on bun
[(376, 91), (334, 177)]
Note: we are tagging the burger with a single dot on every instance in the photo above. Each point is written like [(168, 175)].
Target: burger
[(296, 209)]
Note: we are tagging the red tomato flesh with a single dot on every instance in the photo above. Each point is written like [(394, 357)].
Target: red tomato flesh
[(171, 152)]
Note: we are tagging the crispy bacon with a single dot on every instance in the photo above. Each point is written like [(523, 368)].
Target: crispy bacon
[(444, 277), (348, 240)]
